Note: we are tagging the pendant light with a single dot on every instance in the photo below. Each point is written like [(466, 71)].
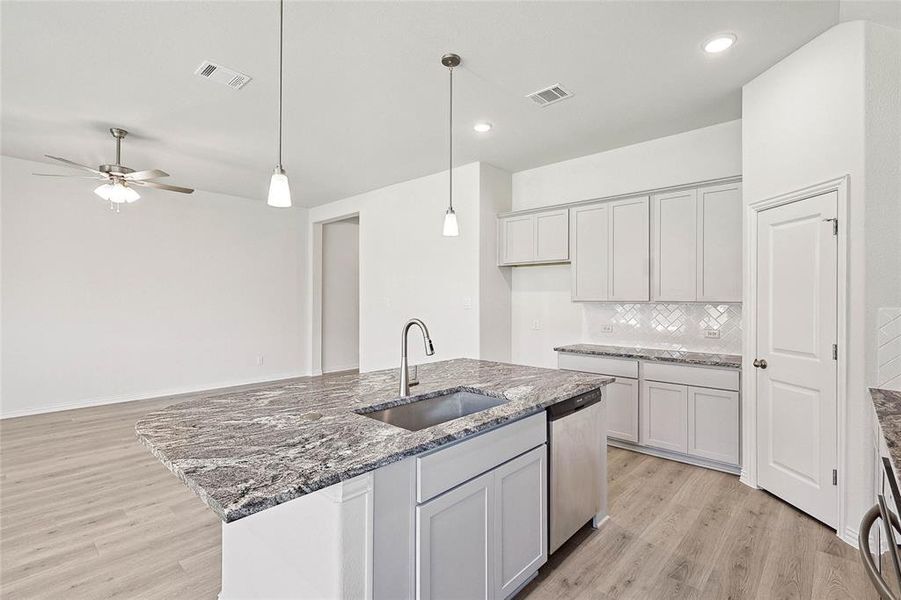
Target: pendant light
[(451, 229), (279, 190)]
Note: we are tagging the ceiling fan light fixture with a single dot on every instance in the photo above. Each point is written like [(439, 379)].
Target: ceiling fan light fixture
[(279, 190), (117, 193)]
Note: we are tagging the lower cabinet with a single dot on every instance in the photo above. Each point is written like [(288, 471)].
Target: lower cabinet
[(664, 409), (713, 424), (486, 537), (622, 409)]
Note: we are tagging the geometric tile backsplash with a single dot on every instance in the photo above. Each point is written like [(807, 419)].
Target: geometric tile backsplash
[(664, 325)]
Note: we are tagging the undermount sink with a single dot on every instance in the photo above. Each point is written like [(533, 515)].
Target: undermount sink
[(420, 414)]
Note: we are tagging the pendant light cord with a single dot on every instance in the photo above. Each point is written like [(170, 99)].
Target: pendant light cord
[(450, 144), (281, 43)]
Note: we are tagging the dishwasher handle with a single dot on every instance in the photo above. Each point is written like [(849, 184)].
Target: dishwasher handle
[(573, 405)]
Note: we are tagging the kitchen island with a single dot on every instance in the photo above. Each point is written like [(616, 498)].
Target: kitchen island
[(320, 500)]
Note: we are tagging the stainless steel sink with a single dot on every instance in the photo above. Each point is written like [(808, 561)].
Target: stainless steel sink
[(420, 414)]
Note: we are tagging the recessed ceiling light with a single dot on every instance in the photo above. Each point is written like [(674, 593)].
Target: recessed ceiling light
[(482, 127), (719, 43)]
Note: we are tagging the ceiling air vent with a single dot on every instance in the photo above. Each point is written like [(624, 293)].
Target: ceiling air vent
[(549, 95), (222, 75)]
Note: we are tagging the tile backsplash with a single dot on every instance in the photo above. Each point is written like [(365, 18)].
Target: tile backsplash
[(665, 325), (888, 348)]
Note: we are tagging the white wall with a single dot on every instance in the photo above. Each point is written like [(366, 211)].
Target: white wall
[(408, 269), (829, 110), (542, 293), (495, 196), (341, 295), (175, 293)]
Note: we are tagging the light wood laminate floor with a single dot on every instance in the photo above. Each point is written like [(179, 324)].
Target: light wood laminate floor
[(87, 512)]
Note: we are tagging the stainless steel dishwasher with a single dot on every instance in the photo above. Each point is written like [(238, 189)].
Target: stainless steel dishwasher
[(577, 466)]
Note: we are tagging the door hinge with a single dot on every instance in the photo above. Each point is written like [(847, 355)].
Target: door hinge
[(834, 351), (834, 225), (834, 477)]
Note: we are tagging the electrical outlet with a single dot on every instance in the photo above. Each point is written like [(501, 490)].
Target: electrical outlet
[(536, 324), (712, 334), (259, 360), (606, 328), (467, 303)]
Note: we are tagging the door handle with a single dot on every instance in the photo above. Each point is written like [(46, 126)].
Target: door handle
[(760, 363)]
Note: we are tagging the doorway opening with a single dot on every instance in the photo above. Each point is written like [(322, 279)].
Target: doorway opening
[(339, 347)]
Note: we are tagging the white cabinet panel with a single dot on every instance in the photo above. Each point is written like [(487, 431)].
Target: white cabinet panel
[(713, 424), (541, 237), (520, 520), (454, 543), (725, 379), (622, 409), (552, 236), (719, 243), (628, 276), (674, 232), (664, 408), (590, 256), (517, 243), (602, 365)]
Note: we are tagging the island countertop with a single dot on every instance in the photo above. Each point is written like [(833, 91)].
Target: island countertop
[(245, 451)]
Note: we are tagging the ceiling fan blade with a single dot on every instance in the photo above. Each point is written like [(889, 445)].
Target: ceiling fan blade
[(164, 186), (144, 175), (72, 176), (73, 164)]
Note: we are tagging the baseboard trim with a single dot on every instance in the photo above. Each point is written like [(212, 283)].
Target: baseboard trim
[(683, 458), (161, 393)]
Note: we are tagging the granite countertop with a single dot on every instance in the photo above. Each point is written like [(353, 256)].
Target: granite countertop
[(245, 451), (705, 359), (888, 412)]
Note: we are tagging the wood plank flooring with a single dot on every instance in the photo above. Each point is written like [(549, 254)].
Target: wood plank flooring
[(87, 513)]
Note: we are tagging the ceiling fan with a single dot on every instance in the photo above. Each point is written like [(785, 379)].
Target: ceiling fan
[(118, 178)]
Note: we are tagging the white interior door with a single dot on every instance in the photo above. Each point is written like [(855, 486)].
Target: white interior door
[(796, 330)]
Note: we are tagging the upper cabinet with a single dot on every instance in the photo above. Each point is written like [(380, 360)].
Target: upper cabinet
[(610, 250), (533, 238), (696, 244), (682, 245)]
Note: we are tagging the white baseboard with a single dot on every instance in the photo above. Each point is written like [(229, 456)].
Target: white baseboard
[(850, 536), (160, 393)]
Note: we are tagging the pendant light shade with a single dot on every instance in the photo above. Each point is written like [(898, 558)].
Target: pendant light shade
[(117, 193), (279, 190), (451, 228), (450, 224)]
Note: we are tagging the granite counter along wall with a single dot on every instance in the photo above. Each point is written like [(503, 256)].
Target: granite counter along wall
[(676, 326)]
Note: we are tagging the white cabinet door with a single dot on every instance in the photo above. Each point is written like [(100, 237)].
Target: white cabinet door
[(520, 520), (622, 409), (552, 236), (664, 408), (455, 541), (629, 255), (719, 243), (590, 252), (517, 239), (713, 429), (673, 246)]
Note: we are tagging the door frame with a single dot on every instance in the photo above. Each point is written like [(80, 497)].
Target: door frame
[(749, 443), (316, 287)]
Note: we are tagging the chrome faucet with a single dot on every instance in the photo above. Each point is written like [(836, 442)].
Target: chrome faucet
[(429, 350)]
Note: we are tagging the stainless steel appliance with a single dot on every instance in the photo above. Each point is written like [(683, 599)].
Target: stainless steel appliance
[(577, 467)]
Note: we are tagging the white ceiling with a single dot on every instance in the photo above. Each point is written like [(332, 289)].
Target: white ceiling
[(365, 94)]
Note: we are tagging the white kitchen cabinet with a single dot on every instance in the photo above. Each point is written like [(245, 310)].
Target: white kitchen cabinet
[(610, 251), (629, 255), (719, 243), (520, 520), (664, 413), (533, 238), (696, 244), (674, 233), (622, 409), (713, 424), (455, 542), (590, 258)]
